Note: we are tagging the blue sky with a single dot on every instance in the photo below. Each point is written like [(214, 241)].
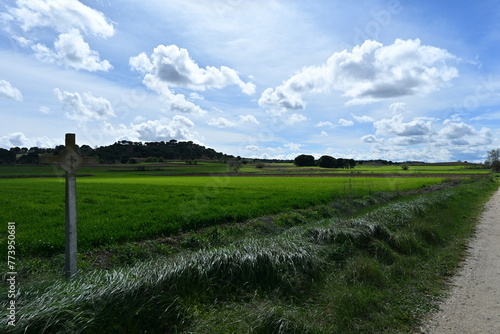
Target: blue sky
[(390, 79)]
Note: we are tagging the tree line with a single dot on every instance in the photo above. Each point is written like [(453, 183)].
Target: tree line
[(122, 151), (325, 161)]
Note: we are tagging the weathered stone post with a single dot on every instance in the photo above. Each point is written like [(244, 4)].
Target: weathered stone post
[(70, 160)]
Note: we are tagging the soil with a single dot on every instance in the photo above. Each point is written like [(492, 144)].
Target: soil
[(473, 304)]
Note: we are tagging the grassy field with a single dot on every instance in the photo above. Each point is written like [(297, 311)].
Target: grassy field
[(376, 269), (192, 249), (114, 208), (212, 168)]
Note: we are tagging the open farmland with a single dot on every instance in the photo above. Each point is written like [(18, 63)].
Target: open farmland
[(114, 208), (193, 249)]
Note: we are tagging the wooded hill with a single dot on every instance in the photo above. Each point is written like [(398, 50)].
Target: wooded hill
[(122, 151)]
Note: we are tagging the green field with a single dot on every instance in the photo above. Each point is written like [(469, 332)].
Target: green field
[(280, 249), (114, 207), (212, 168)]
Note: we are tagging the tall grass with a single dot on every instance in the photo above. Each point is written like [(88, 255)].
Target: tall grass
[(148, 294), (343, 275)]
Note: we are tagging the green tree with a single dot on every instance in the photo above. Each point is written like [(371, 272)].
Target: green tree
[(493, 160), (7, 156), (304, 160), (352, 163), (124, 159), (327, 161)]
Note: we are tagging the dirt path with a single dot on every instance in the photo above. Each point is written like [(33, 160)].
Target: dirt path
[(473, 306)]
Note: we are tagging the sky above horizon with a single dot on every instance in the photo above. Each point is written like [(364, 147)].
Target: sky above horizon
[(400, 80)]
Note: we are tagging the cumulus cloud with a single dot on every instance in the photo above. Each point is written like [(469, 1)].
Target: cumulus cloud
[(72, 51), (222, 122), (171, 66), (293, 146), (396, 126), (363, 119), (252, 148), (174, 67), (367, 73), (456, 130), (19, 139), (325, 123), (398, 108), (248, 119), (69, 19), (44, 110), (60, 15), (369, 139), (84, 107), (344, 122), (462, 134), (407, 141), (295, 118), (165, 129), (7, 91), (196, 96)]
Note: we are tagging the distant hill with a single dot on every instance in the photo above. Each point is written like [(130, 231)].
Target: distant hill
[(172, 150), (122, 151)]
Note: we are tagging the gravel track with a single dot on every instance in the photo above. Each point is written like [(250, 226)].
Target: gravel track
[(473, 305)]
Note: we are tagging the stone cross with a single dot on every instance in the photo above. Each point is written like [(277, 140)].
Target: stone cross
[(70, 160)]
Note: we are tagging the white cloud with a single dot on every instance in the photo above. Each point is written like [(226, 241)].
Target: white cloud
[(293, 146), (84, 107), (325, 123), (18, 139), (410, 140), (363, 119), (398, 108), (44, 110), (248, 119), (221, 122), (165, 129), (396, 126), (368, 73), (72, 51), (7, 91), (196, 96), (369, 139), (69, 19), (174, 67), (171, 66), (461, 134), (456, 130), (430, 154), (295, 118), (252, 148), (324, 134), (344, 122), (60, 15)]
